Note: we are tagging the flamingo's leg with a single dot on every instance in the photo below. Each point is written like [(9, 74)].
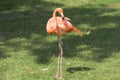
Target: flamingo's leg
[(59, 71)]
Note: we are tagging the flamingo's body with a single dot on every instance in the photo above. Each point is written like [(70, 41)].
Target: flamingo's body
[(60, 25)]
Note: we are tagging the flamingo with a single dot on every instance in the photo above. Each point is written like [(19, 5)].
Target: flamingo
[(60, 25)]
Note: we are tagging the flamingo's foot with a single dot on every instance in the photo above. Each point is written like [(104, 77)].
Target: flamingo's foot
[(58, 77)]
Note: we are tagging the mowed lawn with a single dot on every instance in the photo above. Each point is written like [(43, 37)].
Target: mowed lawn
[(27, 52)]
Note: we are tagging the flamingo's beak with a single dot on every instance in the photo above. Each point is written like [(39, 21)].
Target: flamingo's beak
[(62, 15)]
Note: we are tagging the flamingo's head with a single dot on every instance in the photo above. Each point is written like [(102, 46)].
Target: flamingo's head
[(60, 10)]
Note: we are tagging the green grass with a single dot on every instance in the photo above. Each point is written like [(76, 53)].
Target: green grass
[(26, 49)]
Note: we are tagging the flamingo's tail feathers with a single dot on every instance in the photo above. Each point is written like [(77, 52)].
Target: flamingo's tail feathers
[(78, 31)]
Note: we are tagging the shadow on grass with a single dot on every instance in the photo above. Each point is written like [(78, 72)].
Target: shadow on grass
[(43, 55), (3, 55), (19, 20), (76, 69)]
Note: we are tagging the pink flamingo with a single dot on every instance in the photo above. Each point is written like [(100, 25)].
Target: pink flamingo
[(60, 25)]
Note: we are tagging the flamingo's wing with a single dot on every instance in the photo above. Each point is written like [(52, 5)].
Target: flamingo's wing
[(67, 22)]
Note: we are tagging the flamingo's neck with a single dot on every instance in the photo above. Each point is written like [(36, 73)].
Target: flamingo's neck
[(54, 13)]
